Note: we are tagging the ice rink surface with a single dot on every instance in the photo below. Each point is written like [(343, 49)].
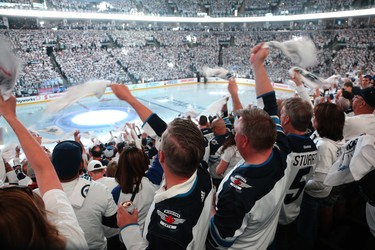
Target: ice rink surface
[(96, 117)]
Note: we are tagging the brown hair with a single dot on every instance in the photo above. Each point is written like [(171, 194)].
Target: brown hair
[(330, 120), (258, 127), (24, 223), (111, 169), (184, 145), (131, 167), (299, 111), (229, 141)]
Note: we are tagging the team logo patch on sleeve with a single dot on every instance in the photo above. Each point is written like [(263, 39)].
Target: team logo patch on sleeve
[(170, 219), (238, 182), (85, 190)]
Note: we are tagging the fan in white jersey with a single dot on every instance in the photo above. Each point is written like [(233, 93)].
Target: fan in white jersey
[(295, 117), (328, 143), (92, 202), (363, 120)]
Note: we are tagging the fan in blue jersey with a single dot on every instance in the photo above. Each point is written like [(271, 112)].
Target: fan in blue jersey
[(250, 197), (179, 214)]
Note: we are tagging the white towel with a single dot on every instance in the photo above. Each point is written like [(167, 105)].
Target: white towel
[(216, 72), (215, 107), (357, 158), (9, 68), (309, 79), (75, 93), (302, 51)]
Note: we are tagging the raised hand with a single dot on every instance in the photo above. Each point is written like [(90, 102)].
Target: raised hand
[(258, 54)]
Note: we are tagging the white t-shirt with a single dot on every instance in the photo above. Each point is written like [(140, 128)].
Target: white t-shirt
[(142, 200), (109, 182), (359, 124), (97, 203), (63, 217), (328, 151), (232, 156)]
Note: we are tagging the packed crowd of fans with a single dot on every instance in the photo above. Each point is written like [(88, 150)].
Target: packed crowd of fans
[(192, 8), (144, 55), (252, 160), (272, 181)]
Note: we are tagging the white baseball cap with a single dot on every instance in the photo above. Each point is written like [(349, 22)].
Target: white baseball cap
[(95, 165)]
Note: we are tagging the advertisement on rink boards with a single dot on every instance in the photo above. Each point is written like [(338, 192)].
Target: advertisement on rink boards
[(211, 80)]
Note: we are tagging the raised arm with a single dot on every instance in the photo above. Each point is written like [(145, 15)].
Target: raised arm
[(233, 90), (300, 88), (123, 93), (153, 124), (263, 84), (77, 138), (44, 171)]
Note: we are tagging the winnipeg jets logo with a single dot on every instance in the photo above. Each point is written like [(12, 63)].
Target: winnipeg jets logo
[(85, 190), (170, 219), (214, 142), (238, 182)]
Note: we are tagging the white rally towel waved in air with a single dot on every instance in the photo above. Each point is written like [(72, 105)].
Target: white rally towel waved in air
[(301, 51), (309, 79), (355, 161), (215, 107), (8, 152), (216, 72), (52, 130), (75, 93), (9, 67), (190, 111), (335, 80)]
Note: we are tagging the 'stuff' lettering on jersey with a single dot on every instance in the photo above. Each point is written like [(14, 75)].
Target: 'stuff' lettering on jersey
[(305, 159)]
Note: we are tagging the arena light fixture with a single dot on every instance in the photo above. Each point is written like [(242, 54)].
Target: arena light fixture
[(142, 18)]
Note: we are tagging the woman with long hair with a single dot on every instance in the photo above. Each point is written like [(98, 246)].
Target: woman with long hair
[(27, 220), (328, 121), (137, 180), (229, 156)]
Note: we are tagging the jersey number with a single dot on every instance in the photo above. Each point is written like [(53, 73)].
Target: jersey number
[(298, 183)]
